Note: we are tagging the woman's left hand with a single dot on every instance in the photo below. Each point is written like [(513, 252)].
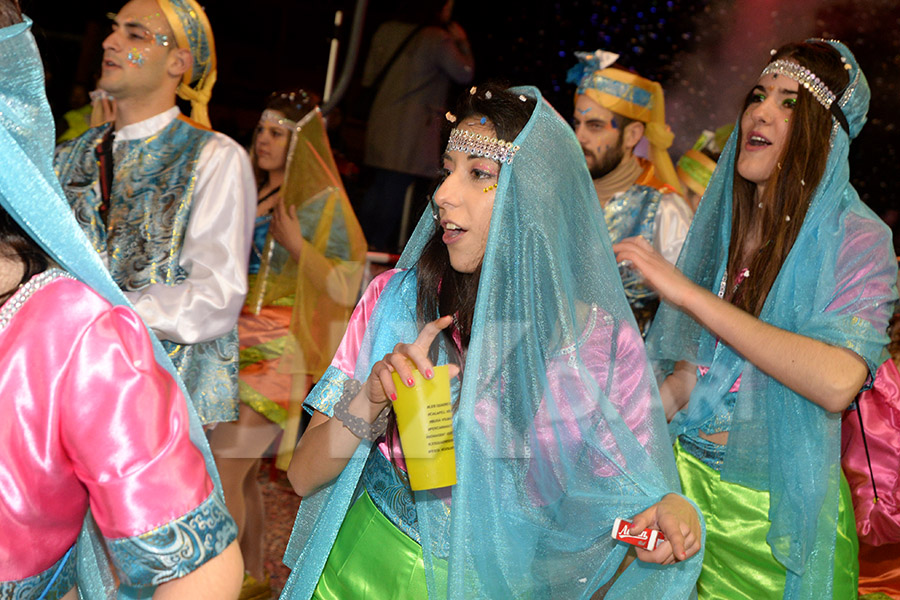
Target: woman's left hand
[(660, 274), (677, 519), (286, 228)]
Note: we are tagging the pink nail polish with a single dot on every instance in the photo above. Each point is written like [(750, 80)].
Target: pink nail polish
[(393, 397), (410, 382), (429, 373)]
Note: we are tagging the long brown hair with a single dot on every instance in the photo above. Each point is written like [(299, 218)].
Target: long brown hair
[(790, 187), (18, 246), (10, 13)]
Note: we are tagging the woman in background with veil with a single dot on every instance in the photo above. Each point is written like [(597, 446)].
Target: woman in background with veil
[(306, 265), (557, 422)]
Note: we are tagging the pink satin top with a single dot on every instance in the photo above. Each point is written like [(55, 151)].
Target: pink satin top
[(90, 419), (629, 391)]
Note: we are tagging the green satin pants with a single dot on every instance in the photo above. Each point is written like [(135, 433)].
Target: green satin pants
[(373, 560), (738, 563)]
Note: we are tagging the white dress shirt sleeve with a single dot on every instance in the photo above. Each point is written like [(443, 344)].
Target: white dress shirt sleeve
[(673, 219)]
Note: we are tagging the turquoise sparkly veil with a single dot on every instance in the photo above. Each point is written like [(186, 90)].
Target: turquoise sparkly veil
[(30, 192), (837, 285), (559, 428)]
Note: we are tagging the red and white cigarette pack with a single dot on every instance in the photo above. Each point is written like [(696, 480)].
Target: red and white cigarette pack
[(648, 539)]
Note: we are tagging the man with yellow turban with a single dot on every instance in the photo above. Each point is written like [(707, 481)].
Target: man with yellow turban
[(166, 201), (614, 111)]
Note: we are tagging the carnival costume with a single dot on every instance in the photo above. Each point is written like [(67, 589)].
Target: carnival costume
[(781, 462), (176, 230), (296, 312), (650, 206), (558, 426), (99, 440)]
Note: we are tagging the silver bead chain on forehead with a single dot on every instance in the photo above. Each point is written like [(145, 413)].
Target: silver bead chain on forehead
[(809, 80), (474, 144)]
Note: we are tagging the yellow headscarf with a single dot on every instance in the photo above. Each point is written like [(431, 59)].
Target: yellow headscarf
[(631, 96), (193, 32), (696, 168)]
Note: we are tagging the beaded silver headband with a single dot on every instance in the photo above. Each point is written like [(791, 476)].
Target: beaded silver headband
[(809, 80), (273, 116), (474, 144)]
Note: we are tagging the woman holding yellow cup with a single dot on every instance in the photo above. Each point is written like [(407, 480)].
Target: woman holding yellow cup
[(557, 428)]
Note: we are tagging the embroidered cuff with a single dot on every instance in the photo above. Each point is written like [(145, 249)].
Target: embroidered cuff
[(176, 548), (52, 584), (327, 392)]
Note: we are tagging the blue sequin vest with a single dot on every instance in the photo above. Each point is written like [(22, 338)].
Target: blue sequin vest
[(633, 213), (151, 199)]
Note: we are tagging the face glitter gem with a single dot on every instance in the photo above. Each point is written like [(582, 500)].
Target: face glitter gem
[(136, 58)]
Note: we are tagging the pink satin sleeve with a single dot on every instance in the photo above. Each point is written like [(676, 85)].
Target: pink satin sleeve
[(91, 419), (876, 523), (348, 351), (570, 411), (128, 437)]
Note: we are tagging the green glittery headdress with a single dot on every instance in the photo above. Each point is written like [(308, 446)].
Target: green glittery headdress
[(193, 31)]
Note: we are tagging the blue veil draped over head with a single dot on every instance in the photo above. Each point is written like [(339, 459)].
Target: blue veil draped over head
[(837, 285), (31, 194), (559, 428)]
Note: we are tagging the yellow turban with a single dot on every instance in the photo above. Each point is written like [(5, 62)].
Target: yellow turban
[(193, 32)]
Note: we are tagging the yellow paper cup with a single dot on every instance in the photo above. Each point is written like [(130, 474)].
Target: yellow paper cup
[(425, 421)]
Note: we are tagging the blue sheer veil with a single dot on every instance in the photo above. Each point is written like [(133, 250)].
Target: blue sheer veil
[(837, 285), (559, 428), (30, 192)]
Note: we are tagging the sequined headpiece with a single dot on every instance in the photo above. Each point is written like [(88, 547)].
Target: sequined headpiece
[(631, 96), (804, 77), (811, 83), (193, 32), (474, 144), (275, 117)]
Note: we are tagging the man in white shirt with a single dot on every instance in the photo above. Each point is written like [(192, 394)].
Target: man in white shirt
[(614, 111), (167, 201)]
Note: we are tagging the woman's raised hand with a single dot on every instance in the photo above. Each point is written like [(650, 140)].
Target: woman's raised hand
[(286, 228), (660, 274), (406, 357)]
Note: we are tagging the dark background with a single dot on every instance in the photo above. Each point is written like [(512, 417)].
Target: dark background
[(705, 53)]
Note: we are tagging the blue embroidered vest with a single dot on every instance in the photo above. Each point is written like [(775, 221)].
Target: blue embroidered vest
[(151, 199), (632, 213)]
